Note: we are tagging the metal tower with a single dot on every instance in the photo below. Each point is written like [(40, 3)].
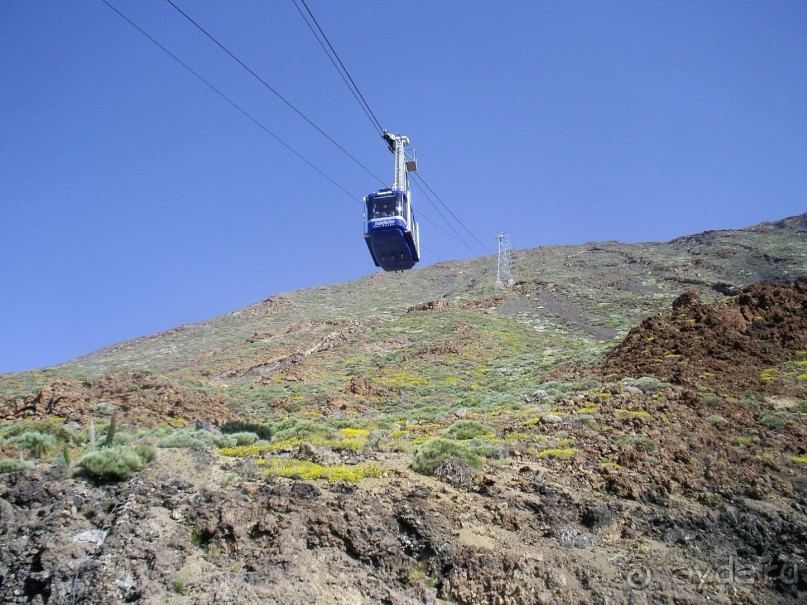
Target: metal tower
[(504, 277), (397, 145)]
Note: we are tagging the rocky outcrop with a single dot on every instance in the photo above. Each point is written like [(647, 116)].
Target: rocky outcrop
[(726, 345), (143, 398)]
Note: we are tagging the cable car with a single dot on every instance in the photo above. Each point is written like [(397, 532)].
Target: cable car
[(390, 229)]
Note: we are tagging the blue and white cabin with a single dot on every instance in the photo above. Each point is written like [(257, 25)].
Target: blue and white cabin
[(390, 230)]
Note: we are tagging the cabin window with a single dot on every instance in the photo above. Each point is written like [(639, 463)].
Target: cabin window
[(384, 207)]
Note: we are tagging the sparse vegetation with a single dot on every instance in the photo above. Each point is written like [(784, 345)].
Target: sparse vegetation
[(559, 453), (304, 469), (647, 384), (450, 391), (419, 575), (633, 413), (243, 451)]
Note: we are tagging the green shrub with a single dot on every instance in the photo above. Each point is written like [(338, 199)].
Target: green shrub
[(187, 438), (752, 399), (39, 444), (754, 396), (773, 421), (643, 443), (123, 438), (434, 452), (716, 419), (647, 384), (118, 462), (419, 575), (467, 429), (244, 438), (483, 448), (48, 427), (711, 400), (263, 431), (749, 403), (295, 428), (146, 452), (550, 392), (11, 465), (589, 384), (345, 422), (225, 441), (647, 444)]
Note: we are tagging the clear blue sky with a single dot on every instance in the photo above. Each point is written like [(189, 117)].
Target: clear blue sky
[(133, 199)]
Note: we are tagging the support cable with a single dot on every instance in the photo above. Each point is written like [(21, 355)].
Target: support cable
[(230, 101), (457, 234), (272, 90), (456, 218), (333, 56), (423, 215)]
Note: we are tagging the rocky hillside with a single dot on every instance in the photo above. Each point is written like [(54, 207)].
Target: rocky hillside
[(570, 303), (625, 424), (733, 345)]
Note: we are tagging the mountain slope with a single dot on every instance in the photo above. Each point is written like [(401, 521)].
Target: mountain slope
[(426, 438), (569, 301)]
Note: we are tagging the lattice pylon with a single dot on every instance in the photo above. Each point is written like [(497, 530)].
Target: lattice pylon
[(504, 277)]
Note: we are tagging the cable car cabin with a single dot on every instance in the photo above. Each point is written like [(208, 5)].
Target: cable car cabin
[(390, 230)]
